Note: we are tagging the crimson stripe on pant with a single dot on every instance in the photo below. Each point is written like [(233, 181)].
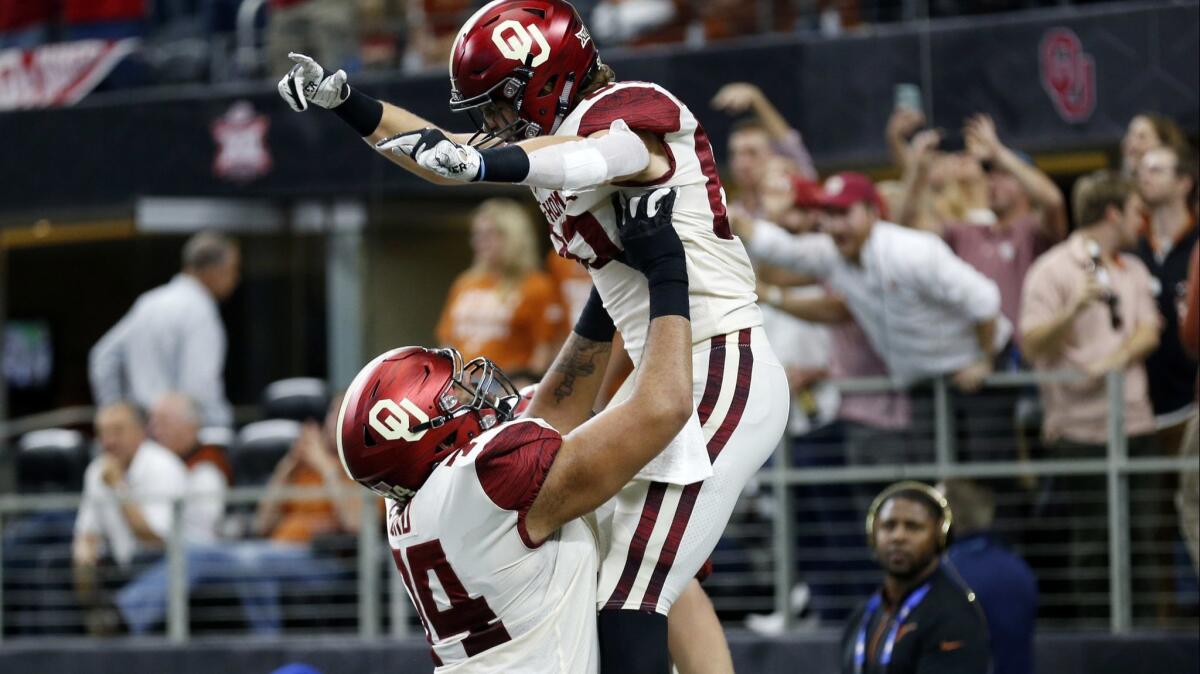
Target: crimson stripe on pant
[(687, 500), (716, 372), (654, 496), (637, 547)]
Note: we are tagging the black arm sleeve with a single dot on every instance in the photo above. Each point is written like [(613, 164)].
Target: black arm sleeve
[(360, 111), (594, 322), (506, 164)]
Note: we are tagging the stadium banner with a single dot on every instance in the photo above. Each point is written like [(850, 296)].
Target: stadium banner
[(1054, 80), (57, 74)]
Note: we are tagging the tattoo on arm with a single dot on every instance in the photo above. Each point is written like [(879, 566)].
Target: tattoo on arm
[(578, 359)]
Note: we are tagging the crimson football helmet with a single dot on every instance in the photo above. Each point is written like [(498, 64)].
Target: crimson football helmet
[(532, 55), (408, 409)]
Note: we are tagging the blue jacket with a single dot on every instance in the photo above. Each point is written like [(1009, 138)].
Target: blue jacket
[(1007, 590)]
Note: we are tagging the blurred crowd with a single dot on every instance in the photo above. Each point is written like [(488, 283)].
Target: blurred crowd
[(215, 40), (965, 265)]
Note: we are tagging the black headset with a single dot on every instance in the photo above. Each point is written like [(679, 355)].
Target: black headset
[(911, 485)]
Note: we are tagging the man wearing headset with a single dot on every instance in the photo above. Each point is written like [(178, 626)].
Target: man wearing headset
[(923, 620)]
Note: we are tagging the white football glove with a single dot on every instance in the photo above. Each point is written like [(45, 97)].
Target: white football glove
[(433, 151), (306, 82)]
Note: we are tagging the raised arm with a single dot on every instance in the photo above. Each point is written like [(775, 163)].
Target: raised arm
[(983, 142), (373, 120), (600, 456)]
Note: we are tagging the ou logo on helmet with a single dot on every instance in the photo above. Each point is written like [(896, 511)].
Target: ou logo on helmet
[(515, 42), (394, 422)]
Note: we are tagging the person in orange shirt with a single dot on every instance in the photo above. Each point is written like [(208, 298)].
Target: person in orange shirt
[(290, 526), (503, 307)]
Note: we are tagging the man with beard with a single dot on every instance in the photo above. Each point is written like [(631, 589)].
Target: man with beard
[(923, 619)]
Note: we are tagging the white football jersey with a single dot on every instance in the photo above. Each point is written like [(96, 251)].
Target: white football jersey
[(489, 599), (583, 227)]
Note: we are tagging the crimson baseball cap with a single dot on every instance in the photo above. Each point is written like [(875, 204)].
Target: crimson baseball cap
[(806, 193), (843, 190)]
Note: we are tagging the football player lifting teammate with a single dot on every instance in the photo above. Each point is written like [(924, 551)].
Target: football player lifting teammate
[(550, 115)]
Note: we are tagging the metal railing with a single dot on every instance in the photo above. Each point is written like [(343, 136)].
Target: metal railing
[(378, 604)]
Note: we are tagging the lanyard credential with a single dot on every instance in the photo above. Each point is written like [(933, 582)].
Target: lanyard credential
[(860, 644)]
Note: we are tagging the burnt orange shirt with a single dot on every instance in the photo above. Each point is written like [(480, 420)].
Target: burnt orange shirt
[(505, 323), (573, 282), (302, 520)]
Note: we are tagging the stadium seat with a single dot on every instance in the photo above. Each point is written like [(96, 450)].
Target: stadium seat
[(51, 460), (259, 447), (298, 399)]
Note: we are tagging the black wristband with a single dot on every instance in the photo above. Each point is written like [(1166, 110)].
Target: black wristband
[(594, 323), (507, 164), (668, 285), (360, 111)]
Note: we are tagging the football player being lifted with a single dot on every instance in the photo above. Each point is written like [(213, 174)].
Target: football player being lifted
[(550, 115), (501, 511)]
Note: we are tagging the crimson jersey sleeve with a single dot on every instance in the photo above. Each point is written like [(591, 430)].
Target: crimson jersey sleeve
[(514, 465), (643, 109)]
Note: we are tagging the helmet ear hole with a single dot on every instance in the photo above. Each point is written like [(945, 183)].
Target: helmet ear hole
[(549, 87), (367, 439)]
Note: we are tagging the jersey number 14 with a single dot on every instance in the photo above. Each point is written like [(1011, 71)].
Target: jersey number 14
[(471, 615)]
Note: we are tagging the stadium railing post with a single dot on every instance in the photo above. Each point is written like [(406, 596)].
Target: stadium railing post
[(782, 533), (177, 590), (1119, 584), (368, 567), (943, 420)]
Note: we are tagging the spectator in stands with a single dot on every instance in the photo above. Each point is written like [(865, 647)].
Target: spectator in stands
[(935, 315), (1029, 216), (125, 514), (1166, 178), (175, 424), (503, 307), (1148, 131), (754, 139), (25, 24), (1187, 499), (326, 30), (173, 339), (1088, 306), (432, 28), (923, 619), (292, 525), (1003, 583), (621, 21), (1024, 212)]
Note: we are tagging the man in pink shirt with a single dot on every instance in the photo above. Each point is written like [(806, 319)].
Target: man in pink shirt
[(1026, 217), (1088, 306)]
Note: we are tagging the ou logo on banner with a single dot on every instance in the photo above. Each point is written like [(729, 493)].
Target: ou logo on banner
[(397, 422), (519, 40), (1068, 74)]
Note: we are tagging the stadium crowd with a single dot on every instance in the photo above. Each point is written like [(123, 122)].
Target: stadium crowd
[(195, 40)]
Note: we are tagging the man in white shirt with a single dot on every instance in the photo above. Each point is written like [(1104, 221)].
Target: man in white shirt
[(172, 339), (926, 312), (175, 423), (126, 507)]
